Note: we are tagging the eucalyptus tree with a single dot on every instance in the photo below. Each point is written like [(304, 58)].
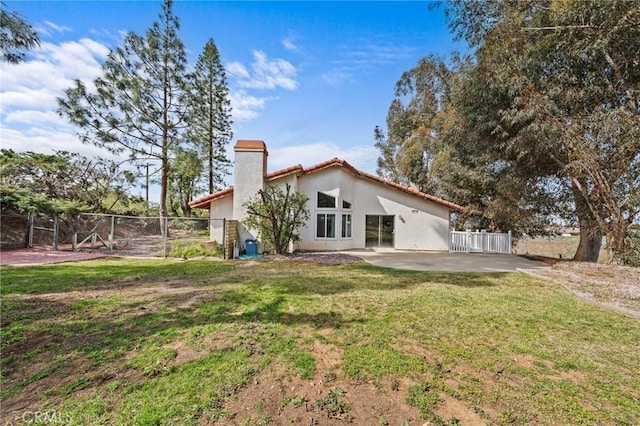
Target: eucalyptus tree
[(410, 146), (16, 36), (138, 105), (555, 92), (210, 114)]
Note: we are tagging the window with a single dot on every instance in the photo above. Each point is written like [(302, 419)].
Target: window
[(326, 225), (326, 201), (346, 205), (346, 226)]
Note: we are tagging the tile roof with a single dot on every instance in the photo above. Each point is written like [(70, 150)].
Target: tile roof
[(204, 202), (253, 145)]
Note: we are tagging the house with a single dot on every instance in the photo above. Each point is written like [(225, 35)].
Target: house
[(349, 209)]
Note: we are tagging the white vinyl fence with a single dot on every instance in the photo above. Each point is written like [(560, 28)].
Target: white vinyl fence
[(479, 242)]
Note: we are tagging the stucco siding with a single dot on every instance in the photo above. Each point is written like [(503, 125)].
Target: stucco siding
[(249, 179), (219, 209), (418, 224)]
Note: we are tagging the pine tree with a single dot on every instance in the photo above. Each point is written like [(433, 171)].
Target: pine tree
[(140, 101), (16, 36), (210, 114)]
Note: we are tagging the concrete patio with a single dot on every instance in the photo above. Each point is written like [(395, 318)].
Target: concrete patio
[(448, 262)]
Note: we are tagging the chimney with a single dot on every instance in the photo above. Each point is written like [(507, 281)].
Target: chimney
[(249, 170)]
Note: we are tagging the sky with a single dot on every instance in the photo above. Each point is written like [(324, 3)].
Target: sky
[(311, 79)]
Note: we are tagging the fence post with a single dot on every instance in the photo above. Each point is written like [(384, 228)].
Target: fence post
[(483, 240), (510, 252), (112, 233), (29, 237), (165, 222), (224, 237), (56, 225)]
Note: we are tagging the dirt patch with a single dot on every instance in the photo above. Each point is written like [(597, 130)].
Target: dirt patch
[(330, 258), (35, 256), (611, 286), (292, 400)]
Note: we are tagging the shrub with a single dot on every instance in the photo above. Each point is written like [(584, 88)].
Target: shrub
[(196, 250)]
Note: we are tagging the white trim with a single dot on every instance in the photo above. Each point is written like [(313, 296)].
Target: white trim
[(335, 225)]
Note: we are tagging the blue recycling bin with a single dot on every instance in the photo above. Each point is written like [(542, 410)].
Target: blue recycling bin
[(251, 247)]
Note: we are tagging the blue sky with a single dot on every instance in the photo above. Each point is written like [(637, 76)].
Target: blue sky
[(311, 79)]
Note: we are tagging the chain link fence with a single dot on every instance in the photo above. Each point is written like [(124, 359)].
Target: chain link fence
[(148, 236), (182, 237), (14, 231)]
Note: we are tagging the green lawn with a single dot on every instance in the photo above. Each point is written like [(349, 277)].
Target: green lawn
[(199, 342)]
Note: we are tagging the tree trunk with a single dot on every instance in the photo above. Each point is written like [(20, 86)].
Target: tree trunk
[(164, 183), (590, 231), (615, 241)]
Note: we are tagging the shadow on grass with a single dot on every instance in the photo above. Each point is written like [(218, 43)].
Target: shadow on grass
[(101, 274), (358, 277)]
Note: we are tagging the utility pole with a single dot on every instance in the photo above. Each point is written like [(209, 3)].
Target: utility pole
[(147, 188)]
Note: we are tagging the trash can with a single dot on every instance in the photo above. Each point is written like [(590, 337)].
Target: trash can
[(251, 247)]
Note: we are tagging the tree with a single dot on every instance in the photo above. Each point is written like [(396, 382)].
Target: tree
[(60, 183), (418, 149), (277, 215), (411, 145), (16, 36), (139, 102), (210, 114), (185, 171), (554, 92)]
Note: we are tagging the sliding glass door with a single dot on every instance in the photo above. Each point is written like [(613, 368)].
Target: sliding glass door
[(379, 231)]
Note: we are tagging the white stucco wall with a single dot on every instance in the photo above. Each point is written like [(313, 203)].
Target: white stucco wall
[(249, 169), (219, 209), (418, 224)]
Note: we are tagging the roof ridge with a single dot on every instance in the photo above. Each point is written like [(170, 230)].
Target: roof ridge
[(335, 161)]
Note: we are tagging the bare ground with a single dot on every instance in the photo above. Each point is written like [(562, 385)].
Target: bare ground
[(610, 286)]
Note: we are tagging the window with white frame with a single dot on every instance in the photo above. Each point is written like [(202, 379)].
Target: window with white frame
[(326, 201), (346, 205), (346, 226), (325, 225)]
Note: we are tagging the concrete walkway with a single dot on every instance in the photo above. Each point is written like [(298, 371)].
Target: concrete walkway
[(448, 262)]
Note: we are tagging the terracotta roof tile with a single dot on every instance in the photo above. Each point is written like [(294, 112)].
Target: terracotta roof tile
[(250, 145), (204, 202), (413, 191), (284, 172)]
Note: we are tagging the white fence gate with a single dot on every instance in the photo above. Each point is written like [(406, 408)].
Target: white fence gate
[(479, 242)]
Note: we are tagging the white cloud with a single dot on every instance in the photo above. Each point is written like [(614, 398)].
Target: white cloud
[(362, 157), (47, 140), (245, 106), (29, 92), (238, 70), (57, 28), (48, 28), (336, 77), (265, 73), (289, 43), (30, 117), (352, 60)]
